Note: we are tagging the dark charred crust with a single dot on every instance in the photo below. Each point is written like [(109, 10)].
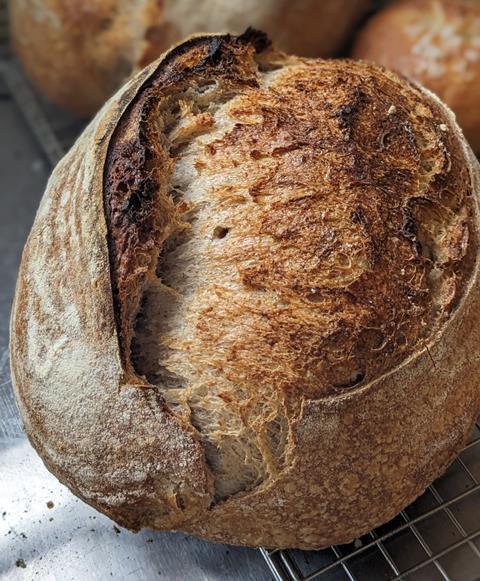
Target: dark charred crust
[(214, 54), (131, 181), (258, 39), (409, 228), (348, 112), (358, 217)]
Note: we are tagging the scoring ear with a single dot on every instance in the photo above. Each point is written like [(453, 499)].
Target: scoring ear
[(139, 210)]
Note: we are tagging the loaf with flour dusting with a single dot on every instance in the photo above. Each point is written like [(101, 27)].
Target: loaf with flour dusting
[(249, 305)]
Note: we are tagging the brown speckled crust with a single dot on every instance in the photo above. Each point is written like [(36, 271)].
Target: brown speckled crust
[(78, 53), (436, 43), (338, 282)]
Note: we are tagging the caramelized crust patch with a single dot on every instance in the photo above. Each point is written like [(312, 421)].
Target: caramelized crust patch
[(343, 249)]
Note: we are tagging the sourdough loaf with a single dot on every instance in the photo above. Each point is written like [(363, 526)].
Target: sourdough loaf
[(78, 53), (248, 308)]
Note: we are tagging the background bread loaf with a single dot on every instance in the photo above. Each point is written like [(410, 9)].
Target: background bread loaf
[(78, 53), (248, 308)]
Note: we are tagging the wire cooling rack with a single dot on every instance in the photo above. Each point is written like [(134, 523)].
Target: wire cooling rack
[(435, 538)]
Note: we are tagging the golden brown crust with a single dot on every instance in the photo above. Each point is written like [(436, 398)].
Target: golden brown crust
[(434, 42), (312, 147), (78, 53)]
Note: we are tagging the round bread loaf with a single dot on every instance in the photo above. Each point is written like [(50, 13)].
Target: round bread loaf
[(249, 305), (78, 53), (437, 43)]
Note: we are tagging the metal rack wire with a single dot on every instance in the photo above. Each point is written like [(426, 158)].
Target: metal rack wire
[(437, 537)]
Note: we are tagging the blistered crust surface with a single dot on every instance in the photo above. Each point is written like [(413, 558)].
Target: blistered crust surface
[(347, 218), (344, 238)]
